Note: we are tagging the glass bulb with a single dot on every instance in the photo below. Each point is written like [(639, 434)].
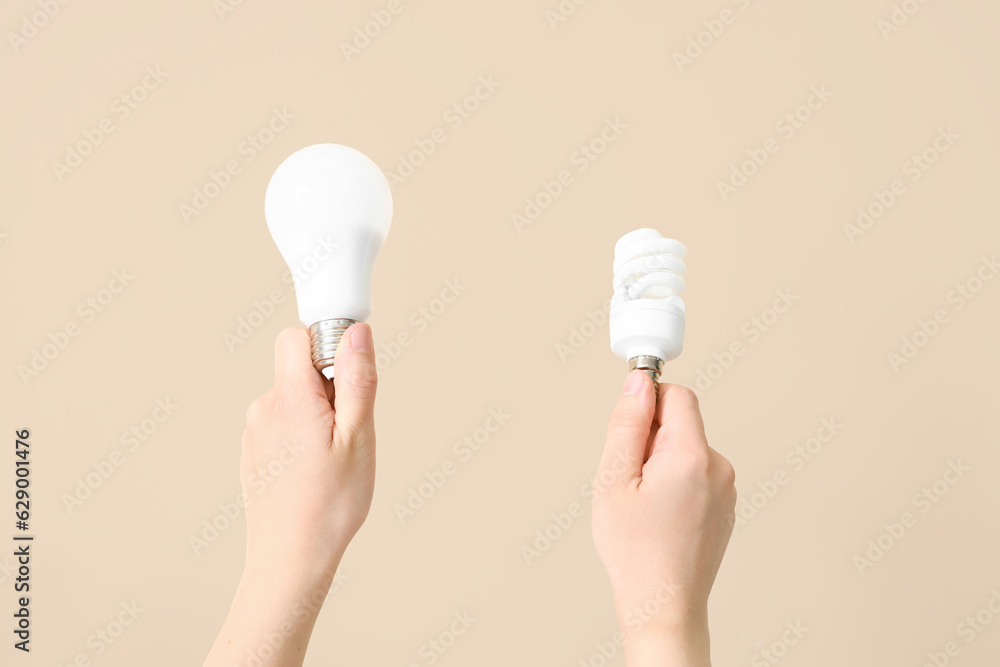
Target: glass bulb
[(328, 208)]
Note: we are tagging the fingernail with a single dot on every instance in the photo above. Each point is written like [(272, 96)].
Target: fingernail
[(361, 339), (633, 384)]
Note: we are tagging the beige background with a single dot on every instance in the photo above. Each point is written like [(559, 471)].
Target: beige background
[(496, 345)]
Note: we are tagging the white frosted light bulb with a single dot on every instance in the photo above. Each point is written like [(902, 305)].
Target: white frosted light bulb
[(328, 208), (647, 312)]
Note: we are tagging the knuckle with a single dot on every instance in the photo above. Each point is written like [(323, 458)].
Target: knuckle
[(285, 406), (255, 413), (699, 463), (288, 335), (727, 471)]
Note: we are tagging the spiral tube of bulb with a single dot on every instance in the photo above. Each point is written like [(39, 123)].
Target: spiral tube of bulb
[(649, 267), (647, 311)]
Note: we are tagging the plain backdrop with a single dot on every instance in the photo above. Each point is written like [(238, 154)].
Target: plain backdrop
[(699, 94)]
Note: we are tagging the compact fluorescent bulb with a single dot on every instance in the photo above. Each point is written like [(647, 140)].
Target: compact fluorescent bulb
[(647, 312)]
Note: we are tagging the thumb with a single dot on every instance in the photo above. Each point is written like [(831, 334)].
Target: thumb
[(355, 380), (628, 431)]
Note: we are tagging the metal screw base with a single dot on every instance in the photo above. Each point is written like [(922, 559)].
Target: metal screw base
[(652, 366), (325, 336)]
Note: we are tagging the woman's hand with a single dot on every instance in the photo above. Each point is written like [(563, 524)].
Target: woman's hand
[(308, 473), (663, 515)]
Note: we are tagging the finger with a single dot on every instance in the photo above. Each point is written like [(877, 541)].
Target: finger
[(355, 380), (294, 374), (680, 420), (628, 430)]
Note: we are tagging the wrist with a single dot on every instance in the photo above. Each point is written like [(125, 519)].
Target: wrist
[(657, 606), (691, 649), (674, 620), (284, 583), (665, 626), (292, 564), (271, 618), (679, 646)]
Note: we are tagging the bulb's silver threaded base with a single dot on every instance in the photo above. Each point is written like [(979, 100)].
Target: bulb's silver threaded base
[(652, 366), (325, 336)]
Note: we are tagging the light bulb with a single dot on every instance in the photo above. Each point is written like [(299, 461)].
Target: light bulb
[(328, 208), (647, 312)]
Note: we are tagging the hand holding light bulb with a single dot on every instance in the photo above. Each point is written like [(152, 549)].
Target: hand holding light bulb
[(663, 499), (308, 457), (307, 470)]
